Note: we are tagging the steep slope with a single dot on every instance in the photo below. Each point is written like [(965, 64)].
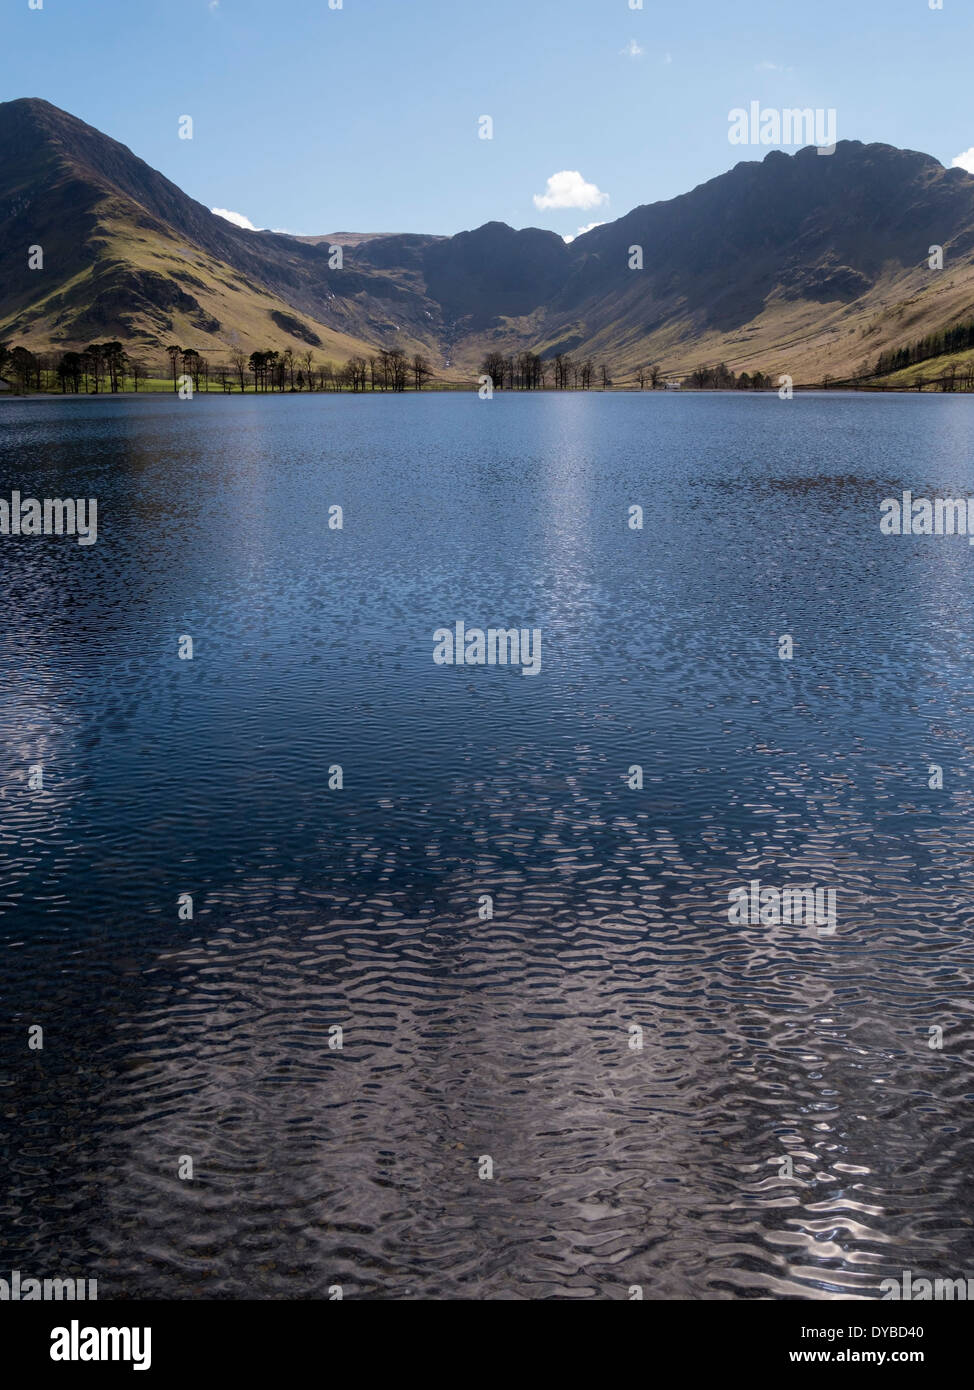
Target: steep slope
[(812, 261), (802, 264), (128, 255)]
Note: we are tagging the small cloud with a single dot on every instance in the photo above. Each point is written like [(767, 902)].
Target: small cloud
[(214, 4), (582, 230), (632, 49), (569, 190), (771, 67), (964, 161), (668, 58), (237, 218)]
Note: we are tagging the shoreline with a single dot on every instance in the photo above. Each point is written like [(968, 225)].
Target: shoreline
[(473, 391)]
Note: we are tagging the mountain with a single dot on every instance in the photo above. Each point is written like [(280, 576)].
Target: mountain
[(805, 264), (127, 254)]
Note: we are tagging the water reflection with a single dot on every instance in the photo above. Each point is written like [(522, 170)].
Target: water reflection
[(315, 908)]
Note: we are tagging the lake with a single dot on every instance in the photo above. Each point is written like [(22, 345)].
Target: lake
[(606, 1083)]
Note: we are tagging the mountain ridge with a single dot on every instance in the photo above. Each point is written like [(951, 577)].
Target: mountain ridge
[(799, 263)]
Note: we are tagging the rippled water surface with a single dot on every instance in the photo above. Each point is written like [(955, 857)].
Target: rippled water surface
[(357, 908)]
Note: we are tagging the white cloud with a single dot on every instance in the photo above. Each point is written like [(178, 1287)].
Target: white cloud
[(569, 190), (668, 58), (237, 218), (964, 161), (582, 230), (632, 49)]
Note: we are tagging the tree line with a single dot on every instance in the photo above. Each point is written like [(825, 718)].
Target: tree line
[(942, 344), (527, 371), (269, 370), (723, 378), (107, 367), (100, 367)]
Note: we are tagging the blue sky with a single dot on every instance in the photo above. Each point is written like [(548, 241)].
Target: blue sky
[(365, 118)]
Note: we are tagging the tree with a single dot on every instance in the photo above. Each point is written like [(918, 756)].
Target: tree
[(96, 355), (356, 373), (525, 372), (398, 369), (115, 360), (272, 369), (175, 353), (493, 366), (23, 366), (86, 367), (69, 371), (192, 366), (256, 363), (239, 362)]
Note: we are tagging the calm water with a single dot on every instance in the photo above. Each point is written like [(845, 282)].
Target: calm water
[(358, 908)]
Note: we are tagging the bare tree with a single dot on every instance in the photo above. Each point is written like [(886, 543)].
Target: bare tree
[(238, 361)]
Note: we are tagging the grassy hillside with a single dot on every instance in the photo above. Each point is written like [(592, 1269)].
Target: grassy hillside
[(797, 265)]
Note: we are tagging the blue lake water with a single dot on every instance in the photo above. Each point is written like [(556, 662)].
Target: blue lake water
[(316, 908)]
